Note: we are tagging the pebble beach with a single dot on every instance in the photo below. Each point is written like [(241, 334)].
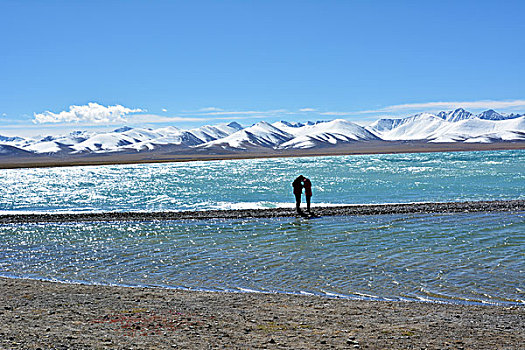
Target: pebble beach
[(46, 315)]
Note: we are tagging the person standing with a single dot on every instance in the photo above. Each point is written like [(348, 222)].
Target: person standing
[(307, 192), (297, 185)]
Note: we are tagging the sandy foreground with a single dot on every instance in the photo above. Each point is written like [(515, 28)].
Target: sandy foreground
[(36, 314)]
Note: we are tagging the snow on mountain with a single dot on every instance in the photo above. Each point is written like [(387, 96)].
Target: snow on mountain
[(482, 130), (136, 139), (383, 125), (140, 134), (121, 139), (326, 133), (104, 142), (46, 144), (287, 126), (73, 137), (423, 126), (461, 114), (166, 136), (43, 147), (514, 115), (292, 127), (10, 139), (117, 140), (491, 115), (452, 126), (261, 134), (455, 115), (209, 133), (286, 135)]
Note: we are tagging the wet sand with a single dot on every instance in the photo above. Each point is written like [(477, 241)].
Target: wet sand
[(344, 210), (46, 315)]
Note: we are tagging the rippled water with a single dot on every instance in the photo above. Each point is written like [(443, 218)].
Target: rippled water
[(390, 178), (447, 257)]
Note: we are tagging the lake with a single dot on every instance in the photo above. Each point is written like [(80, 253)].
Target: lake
[(465, 257)]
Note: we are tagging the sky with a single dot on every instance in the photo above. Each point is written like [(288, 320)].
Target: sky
[(69, 65)]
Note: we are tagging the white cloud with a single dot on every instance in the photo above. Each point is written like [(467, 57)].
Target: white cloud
[(219, 111), (339, 113), (228, 112), (96, 114), (210, 109), (92, 113), (153, 118)]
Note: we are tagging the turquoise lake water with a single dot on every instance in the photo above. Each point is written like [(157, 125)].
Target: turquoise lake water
[(464, 257), (397, 178)]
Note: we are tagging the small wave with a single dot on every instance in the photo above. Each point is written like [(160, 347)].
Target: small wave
[(266, 205), (248, 290)]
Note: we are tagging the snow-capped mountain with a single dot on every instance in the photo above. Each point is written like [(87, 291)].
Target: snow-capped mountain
[(479, 130), (324, 134), (448, 126), (455, 115), (10, 139), (288, 135), (209, 133), (139, 139), (452, 126), (261, 134), (423, 126), (491, 115), (116, 140)]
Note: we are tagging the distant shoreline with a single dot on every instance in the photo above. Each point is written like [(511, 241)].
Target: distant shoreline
[(343, 210), (169, 155)]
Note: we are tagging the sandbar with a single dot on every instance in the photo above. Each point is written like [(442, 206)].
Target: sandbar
[(319, 211)]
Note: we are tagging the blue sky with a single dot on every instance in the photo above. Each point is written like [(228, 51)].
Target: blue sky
[(205, 62)]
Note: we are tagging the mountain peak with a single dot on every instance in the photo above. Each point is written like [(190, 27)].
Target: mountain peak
[(288, 124), (123, 129), (515, 115), (10, 138), (455, 115), (262, 123), (234, 125), (491, 114)]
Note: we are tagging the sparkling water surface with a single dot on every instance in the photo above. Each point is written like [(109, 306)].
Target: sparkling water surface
[(446, 257), (469, 257), (389, 178)]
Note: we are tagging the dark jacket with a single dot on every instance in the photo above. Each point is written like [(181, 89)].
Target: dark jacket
[(307, 187), (297, 186)]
